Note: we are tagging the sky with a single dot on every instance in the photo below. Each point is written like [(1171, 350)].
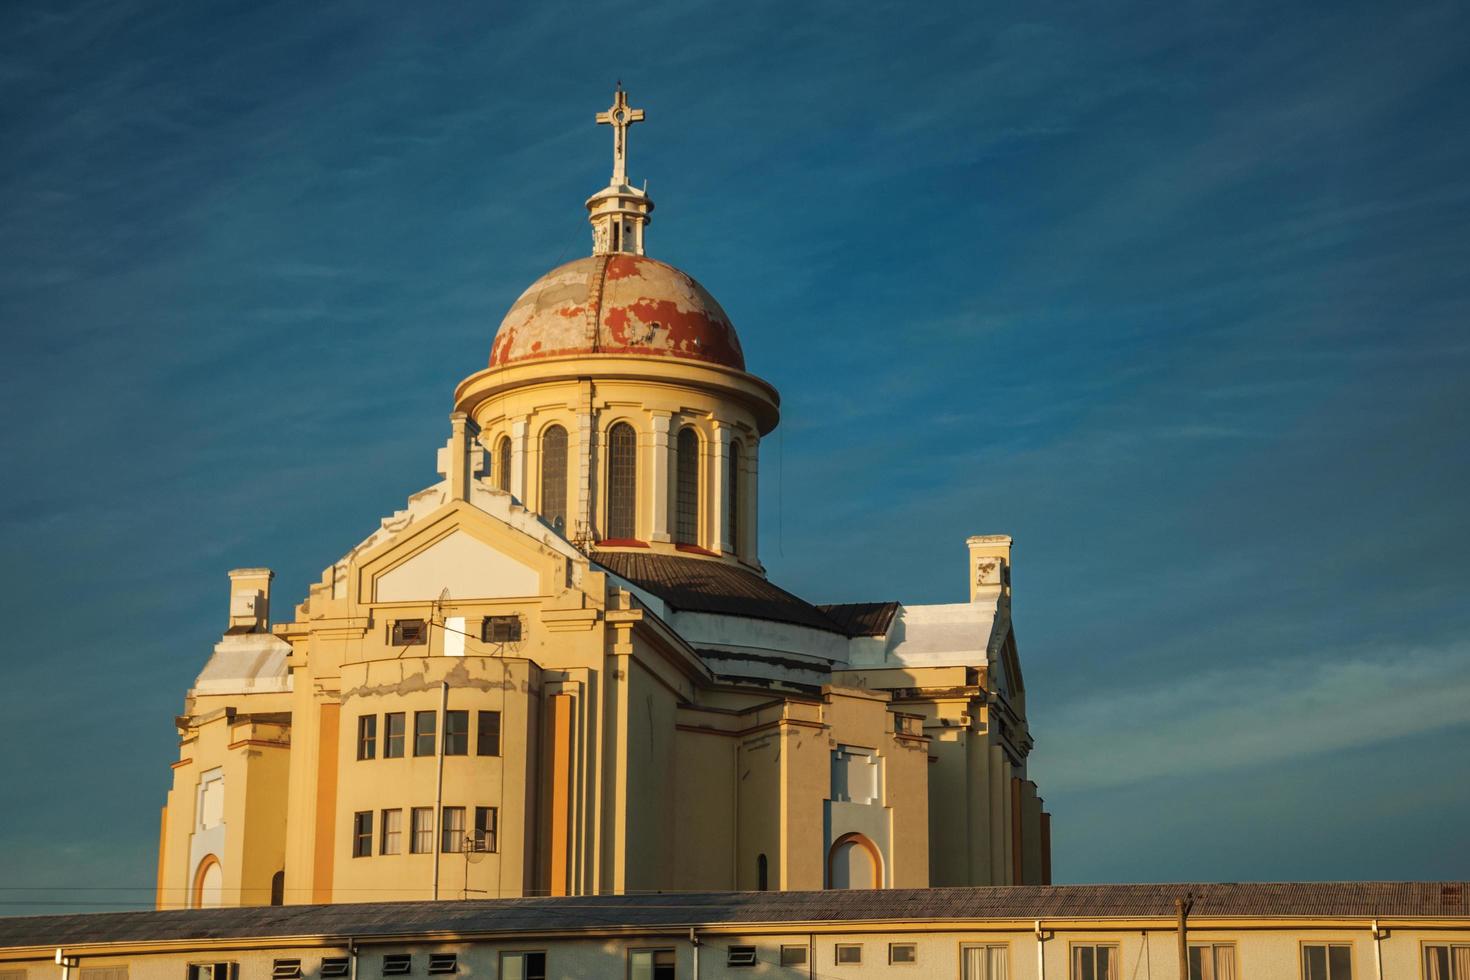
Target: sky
[(1175, 294)]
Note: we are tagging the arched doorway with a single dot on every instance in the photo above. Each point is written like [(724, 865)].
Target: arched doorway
[(854, 862), (209, 883)]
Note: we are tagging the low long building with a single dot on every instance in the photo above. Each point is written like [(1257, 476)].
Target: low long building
[(1337, 931)]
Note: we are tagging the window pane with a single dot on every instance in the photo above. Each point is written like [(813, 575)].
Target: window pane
[(452, 839), (554, 477), (1314, 962), (686, 510), (502, 464), (1339, 962), (622, 481), (423, 732), (423, 831), (392, 835), (487, 733), (456, 732), (486, 827), (362, 833), (393, 735), (640, 965), (367, 736)]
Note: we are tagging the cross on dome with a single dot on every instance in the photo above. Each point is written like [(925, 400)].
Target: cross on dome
[(619, 116)]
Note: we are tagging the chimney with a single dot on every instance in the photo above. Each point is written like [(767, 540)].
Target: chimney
[(990, 566), (250, 600)]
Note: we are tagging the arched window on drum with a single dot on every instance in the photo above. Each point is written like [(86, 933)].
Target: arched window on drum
[(502, 464), (554, 477), (686, 490), (622, 482)]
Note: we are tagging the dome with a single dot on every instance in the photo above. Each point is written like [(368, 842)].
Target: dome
[(617, 303)]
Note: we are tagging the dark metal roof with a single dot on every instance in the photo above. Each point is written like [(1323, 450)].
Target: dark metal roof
[(706, 586), (861, 618), (679, 911)]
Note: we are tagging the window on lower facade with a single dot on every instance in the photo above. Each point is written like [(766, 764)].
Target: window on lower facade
[(849, 953), (523, 966), (214, 971), (285, 970), (456, 733), (487, 733), (487, 821), (423, 732), (500, 629), (740, 956), (1212, 961), (1327, 961), (410, 633), (452, 841), (367, 736), (903, 953), (422, 841), (1446, 962), (393, 728), (397, 964), (651, 964), (793, 956), (391, 836), (443, 962), (983, 963), (335, 966), (1095, 962), (362, 833)]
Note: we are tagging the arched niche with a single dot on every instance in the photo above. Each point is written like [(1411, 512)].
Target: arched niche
[(854, 862)]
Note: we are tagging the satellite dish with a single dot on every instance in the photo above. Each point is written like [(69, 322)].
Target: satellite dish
[(475, 848)]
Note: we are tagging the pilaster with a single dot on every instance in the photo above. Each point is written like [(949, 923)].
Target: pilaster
[(658, 477), (718, 475), (518, 459)]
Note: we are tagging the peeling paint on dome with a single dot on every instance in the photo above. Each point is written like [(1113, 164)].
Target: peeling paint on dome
[(644, 307)]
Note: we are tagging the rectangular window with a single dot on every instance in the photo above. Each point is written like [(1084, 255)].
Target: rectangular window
[(740, 956), (391, 836), (286, 970), (849, 953), (522, 966), (367, 736), (487, 733), (362, 833), (651, 964), (423, 732), (214, 971), (1327, 961), (1095, 962), (443, 962), (453, 836), (335, 966), (393, 725), (397, 964), (793, 956), (1212, 961), (456, 733), (487, 820), (87, 973), (423, 830), (409, 633), (1446, 962), (903, 953), (501, 629), (984, 963)]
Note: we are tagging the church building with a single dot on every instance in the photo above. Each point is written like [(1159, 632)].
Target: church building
[(561, 669)]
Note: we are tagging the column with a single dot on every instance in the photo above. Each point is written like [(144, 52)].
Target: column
[(717, 473), (654, 481), (518, 460)]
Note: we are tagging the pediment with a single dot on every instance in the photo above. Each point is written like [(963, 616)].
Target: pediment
[(464, 553)]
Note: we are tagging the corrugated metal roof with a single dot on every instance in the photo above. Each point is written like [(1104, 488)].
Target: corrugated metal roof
[(861, 618), (702, 585), (679, 911)]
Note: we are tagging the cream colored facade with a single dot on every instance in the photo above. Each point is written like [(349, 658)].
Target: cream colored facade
[(619, 701)]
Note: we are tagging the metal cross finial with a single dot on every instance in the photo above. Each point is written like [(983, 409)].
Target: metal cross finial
[(620, 117)]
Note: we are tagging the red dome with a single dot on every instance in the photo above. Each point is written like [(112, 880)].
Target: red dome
[(616, 304)]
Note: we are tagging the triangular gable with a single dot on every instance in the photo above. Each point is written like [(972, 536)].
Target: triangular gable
[(464, 551)]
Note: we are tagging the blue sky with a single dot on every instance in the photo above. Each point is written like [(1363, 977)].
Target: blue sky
[(1176, 294)]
